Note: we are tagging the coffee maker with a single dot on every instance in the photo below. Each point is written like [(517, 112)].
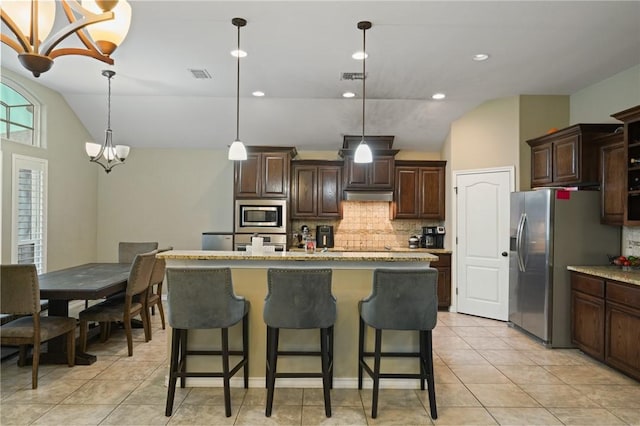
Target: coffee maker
[(432, 237)]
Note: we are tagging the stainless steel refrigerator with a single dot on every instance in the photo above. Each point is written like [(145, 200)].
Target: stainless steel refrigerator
[(549, 230)]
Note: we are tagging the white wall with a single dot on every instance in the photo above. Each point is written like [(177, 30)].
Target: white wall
[(72, 184), (165, 195)]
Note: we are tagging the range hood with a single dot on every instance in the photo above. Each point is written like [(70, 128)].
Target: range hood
[(368, 196)]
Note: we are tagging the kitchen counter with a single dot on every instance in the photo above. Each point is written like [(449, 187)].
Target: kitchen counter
[(352, 278), (391, 250), (611, 272)]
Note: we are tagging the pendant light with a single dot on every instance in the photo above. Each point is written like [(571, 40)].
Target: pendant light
[(237, 150), (107, 155), (363, 152)]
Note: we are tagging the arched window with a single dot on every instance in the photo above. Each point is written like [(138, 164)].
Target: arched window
[(19, 114)]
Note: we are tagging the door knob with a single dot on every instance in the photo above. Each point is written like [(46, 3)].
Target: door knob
[(505, 254)]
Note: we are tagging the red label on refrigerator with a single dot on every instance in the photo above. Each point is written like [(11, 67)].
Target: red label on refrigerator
[(563, 195)]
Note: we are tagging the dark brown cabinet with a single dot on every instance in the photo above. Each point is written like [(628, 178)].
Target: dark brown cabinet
[(316, 189), (631, 120), (264, 174), (443, 265), (419, 190), (377, 175), (613, 179), (567, 157), (605, 321)]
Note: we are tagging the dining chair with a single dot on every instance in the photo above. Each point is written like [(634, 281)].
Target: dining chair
[(299, 298), (117, 309), (20, 295), (400, 299), (155, 286), (127, 250)]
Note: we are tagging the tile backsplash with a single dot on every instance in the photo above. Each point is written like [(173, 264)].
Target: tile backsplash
[(631, 241), (366, 226)]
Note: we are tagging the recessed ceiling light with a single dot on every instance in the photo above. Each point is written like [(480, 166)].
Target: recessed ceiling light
[(479, 57), (360, 55), (241, 53), (348, 95), (438, 96), (258, 93)]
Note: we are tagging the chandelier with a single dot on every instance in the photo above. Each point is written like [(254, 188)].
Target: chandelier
[(107, 155), (101, 25), (363, 152)]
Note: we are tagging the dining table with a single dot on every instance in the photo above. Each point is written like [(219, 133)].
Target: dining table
[(90, 281)]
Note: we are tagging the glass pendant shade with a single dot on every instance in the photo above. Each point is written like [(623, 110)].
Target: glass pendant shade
[(92, 149), (363, 153), (237, 151), (20, 13), (108, 35), (122, 152)]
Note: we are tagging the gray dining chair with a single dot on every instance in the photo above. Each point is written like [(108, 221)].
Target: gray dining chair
[(400, 299), (299, 298), (203, 298), (124, 309), (127, 250), (20, 295)]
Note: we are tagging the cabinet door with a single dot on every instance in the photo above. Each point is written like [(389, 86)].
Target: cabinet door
[(304, 191), (541, 157), (247, 173), (444, 288), (381, 173), (275, 175), (613, 190), (623, 337), (329, 191), (587, 323), (355, 174), (432, 193), (407, 192), (566, 160)]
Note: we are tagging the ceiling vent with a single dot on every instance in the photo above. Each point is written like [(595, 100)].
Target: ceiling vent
[(351, 76), (200, 73)]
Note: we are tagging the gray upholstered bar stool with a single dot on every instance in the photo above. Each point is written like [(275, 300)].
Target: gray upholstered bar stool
[(401, 299), (300, 298), (203, 298)]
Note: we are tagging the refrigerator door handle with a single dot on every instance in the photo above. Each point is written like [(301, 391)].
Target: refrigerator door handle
[(519, 240)]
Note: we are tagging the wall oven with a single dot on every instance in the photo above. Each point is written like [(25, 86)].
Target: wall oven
[(261, 216)]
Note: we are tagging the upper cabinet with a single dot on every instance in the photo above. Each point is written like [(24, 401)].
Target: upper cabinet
[(264, 174), (631, 191), (377, 175), (316, 189), (419, 190), (613, 179), (568, 157)]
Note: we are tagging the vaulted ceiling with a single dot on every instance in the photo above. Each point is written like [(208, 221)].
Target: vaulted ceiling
[(298, 50)]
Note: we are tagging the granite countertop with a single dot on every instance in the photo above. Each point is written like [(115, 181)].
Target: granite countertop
[(611, 272), (391, 250), (300, 256)]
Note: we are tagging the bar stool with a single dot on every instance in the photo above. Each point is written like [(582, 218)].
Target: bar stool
[(401, 299), (300, 298), (203, 298)]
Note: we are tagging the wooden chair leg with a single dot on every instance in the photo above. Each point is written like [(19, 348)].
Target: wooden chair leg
[(22, 358), (146, 323), (35, 362), (83, 335), (245, 348), (331, 357), (173, 370), (272, 359), (326, 381), (225, 371), (430, 377), (127, 330), (376, 374), (71, 348), (423, 359), (183, 356), (161, 311)]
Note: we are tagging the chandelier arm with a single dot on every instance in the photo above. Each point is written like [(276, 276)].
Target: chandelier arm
[(92, 53), (22, 45), (73, 27), (69, 7)]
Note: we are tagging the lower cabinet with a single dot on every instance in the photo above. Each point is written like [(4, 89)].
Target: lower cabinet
[(443, 265), (605, 321)]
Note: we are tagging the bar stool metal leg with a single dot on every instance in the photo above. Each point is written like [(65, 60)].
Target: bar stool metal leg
[(175, 353), (361, 343), (376, 374), (326, 377), (430, 378)]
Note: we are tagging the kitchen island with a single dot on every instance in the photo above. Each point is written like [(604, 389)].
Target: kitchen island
[(351, 282)]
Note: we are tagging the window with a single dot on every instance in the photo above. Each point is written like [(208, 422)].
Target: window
[(29, 211), (19, 115)]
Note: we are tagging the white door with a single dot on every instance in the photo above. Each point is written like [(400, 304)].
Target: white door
[(482, 227)]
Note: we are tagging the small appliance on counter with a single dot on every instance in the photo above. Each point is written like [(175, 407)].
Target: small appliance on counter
[(217, 241), (324, 236), (432, 237), (414, 242)]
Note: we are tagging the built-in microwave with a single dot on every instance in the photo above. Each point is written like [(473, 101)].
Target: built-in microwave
[(261, 216)]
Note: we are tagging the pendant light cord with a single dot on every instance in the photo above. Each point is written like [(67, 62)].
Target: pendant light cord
[(109, 104), (238, 90), (364, 75)]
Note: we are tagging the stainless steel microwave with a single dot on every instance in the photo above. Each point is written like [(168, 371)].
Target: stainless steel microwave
[(262, 216)]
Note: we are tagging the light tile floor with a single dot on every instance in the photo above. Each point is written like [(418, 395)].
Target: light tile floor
[(486, 373)]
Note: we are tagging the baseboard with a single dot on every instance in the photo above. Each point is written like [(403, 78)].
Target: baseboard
[(259, 382)]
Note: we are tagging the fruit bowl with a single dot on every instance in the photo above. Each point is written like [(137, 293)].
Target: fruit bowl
[(627, 263)]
